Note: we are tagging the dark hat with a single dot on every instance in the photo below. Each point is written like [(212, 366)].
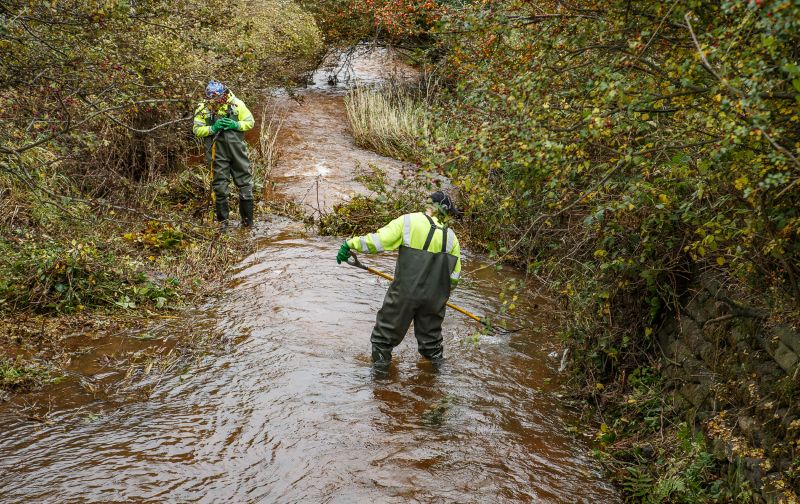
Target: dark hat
[(443, 201)]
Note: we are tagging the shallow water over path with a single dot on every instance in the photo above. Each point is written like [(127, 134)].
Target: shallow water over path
[(318, 157), (291, 412)]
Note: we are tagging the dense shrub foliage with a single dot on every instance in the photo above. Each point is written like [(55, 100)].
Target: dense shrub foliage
[(109, 87), (617, 149), (641, 140), (96, 104), (638, 141)]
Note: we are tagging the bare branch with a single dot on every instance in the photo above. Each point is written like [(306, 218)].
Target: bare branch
[(70, 126)]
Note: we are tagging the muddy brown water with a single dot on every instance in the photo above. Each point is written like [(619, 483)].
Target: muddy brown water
[(288, 410), (318, 157)]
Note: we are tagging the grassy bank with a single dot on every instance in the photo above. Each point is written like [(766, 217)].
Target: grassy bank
[(66, 262), (105, 225)]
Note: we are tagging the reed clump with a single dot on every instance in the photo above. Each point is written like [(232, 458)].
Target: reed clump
[(389, 120)]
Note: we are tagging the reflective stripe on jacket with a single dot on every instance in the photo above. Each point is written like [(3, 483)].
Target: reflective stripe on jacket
[(204, 119), (410, 230)]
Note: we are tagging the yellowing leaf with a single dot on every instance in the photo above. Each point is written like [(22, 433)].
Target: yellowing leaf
[(721, 261)]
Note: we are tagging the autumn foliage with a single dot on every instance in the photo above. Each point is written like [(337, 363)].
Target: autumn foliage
[(395, 20), (108, 88), (616, 151)]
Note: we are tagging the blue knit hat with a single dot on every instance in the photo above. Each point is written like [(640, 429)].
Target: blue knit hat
[(214, 89)]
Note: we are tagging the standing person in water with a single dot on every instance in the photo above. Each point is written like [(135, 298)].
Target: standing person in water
[(221, 119), (428, 268)]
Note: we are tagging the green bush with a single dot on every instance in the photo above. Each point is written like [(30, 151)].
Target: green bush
[(19, 375), (619, 149), (683, 475), (386, 201), (70, 277)]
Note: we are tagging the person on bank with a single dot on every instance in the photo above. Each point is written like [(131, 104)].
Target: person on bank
[(222, 119), (427, 269)]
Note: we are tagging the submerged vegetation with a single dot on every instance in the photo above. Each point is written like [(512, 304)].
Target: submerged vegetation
[(19, 375)]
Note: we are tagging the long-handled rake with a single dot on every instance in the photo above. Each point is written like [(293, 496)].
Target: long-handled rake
[(487, 325)]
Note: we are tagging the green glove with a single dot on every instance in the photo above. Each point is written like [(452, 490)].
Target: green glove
[(344, 253), (229, 124), (218, 125)]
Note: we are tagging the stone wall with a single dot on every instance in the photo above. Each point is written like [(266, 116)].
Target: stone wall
[(736, 375)]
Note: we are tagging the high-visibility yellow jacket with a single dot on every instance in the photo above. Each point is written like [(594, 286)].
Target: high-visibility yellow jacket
[(410, 230), (233, 108)]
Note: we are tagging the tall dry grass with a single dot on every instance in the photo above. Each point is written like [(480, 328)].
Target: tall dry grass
[(389, 120), (267, 154), (272, 118)]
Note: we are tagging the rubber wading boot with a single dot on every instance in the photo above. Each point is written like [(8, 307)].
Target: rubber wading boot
[(380, 361), (437, 364), (221, 210), (246, 212)]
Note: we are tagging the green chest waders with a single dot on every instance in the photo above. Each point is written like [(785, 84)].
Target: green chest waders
[(419, 292), (230, 161)]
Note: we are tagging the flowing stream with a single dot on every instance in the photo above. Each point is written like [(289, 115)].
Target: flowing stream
[(289, 411)]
